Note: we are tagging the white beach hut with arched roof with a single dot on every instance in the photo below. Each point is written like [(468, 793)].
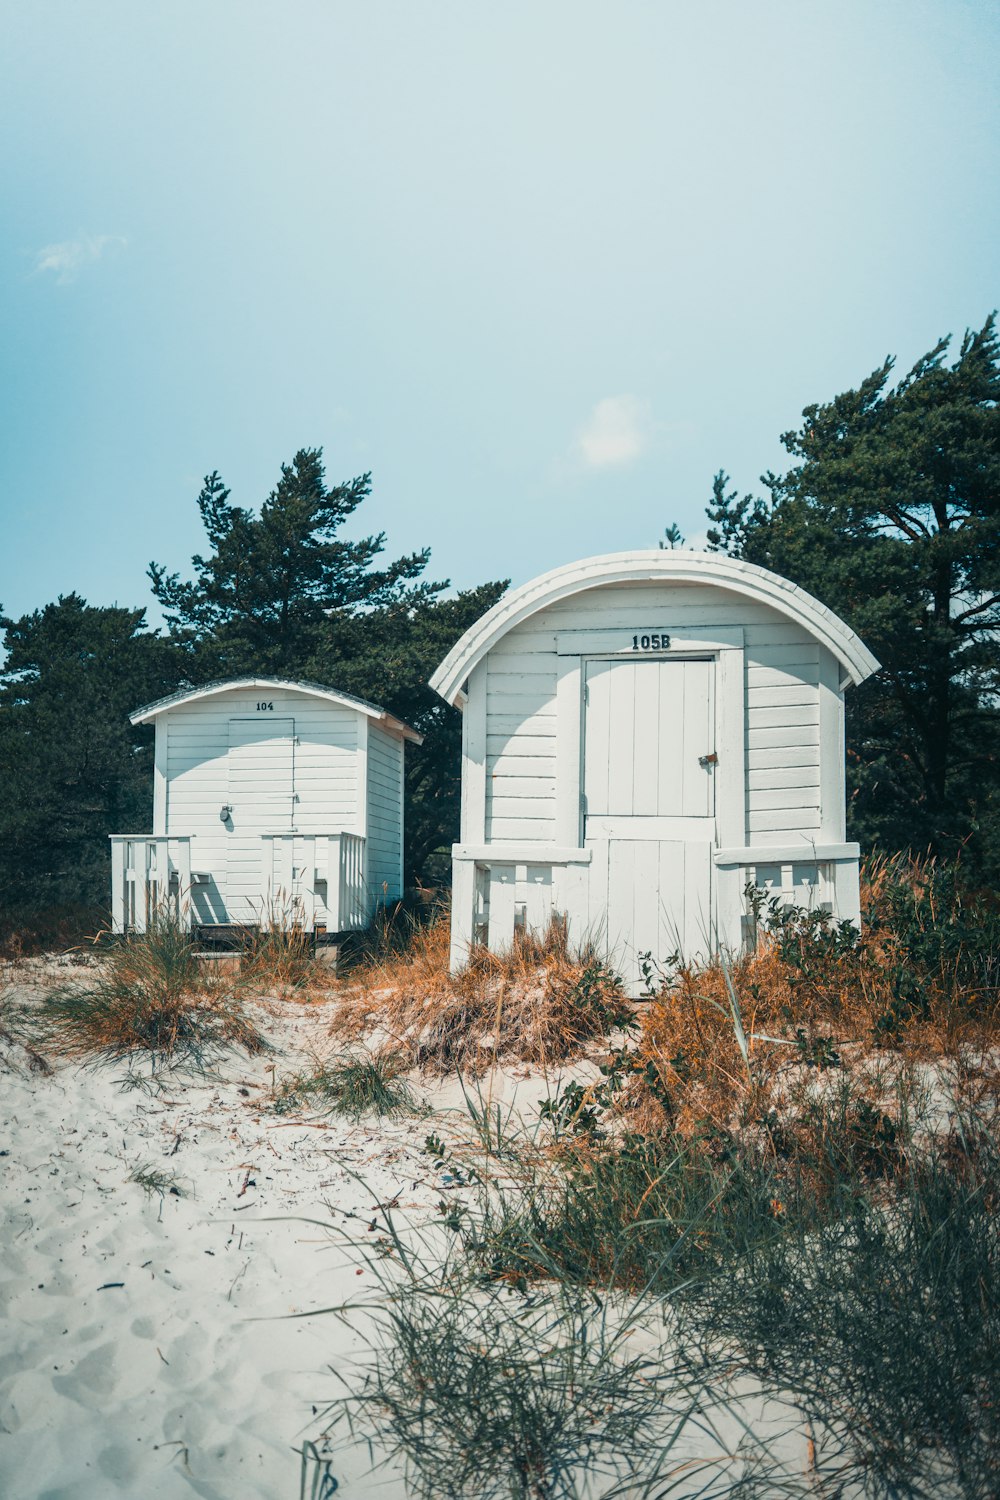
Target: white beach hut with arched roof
[(644, 734)]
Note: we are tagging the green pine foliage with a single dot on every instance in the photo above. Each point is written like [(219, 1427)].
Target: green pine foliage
[(283, 593), (72, 768), (890, 514)]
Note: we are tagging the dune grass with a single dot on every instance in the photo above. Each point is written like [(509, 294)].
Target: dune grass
[(278, 956), (354, 1085), (538, 1003), (788, 1183), (150, 999), (603, 1296), (488, 1394), (17, 1040), (153, 1179)]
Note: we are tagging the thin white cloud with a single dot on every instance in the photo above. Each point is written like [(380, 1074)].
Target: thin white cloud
[(66, 260), (616, 432)]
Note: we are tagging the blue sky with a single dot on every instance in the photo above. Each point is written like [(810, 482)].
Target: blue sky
[(542, 267)]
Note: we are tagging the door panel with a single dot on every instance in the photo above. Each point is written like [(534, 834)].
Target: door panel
[(650, 807), (262, 798), (647, 723)]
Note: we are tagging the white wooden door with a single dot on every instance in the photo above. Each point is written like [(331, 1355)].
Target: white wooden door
[(649, 806), (261, 800)]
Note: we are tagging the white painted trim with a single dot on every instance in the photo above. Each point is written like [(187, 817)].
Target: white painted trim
[(361, 754), (731, 746), (832, 750), (160, 782), (569, 751), (776, 854), (656, 567), (660, 830), (521, 854), (474, 759), (388, 721), (618, 641)]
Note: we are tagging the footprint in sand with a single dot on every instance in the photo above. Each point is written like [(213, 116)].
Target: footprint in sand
[(185, 1357), (121, 1464), (93, 1379)]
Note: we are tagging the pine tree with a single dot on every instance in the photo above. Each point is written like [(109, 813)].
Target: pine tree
[(891, 516), (260, 599), (72, 768)]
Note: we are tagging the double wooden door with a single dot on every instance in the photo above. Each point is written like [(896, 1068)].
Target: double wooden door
[(649, 806)]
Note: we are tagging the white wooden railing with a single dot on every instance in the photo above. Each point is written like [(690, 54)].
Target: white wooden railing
[(801, 874), (150, 878), (317, 879), (320, 876), (498, 891)]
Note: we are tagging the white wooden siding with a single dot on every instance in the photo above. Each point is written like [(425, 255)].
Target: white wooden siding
[(783, 760), (196, 775), (783, 706), (385, 814)]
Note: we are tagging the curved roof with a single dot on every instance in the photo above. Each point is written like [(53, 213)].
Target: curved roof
[(265, 684), (680, 566)]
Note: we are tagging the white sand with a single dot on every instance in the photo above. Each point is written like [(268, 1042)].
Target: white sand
[(151, 1346), (189, 1377)]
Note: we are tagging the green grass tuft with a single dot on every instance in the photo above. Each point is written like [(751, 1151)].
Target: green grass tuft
[(153, 1180), (352, 1086)]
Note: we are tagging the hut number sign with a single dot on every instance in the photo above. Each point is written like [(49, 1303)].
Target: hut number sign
[(652, 642)]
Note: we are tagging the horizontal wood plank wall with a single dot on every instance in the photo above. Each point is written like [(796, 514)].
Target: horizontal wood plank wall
[(197, 773), (783, 757), (783, 761), (385, 779)]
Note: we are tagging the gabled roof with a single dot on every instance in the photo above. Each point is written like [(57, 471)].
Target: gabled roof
[(680, 566), (381, 716)]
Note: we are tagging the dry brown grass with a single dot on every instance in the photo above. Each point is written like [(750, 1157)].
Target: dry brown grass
[(278, 959), (815, 1005), (150, 997), (537, 1004)]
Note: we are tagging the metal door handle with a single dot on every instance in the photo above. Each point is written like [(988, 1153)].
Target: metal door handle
[(708, 760)]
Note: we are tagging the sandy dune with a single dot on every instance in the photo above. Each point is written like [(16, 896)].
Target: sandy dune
[(148, 1349)]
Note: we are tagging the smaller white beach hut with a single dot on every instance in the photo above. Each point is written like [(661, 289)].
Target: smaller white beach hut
[(644, 735), (272, 801)]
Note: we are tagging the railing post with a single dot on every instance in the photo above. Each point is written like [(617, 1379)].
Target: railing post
[(118, 922), (729, 907), (308, 896), (185, 914), (571, 899), (463, 895), (335, 880), (538, 906), (141, 914), (503, 888), (847, 891)]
